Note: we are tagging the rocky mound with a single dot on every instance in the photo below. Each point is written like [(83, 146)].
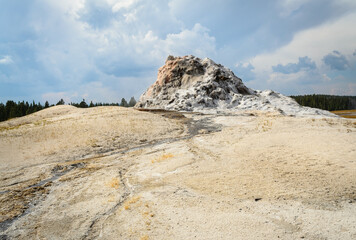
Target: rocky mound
[(192, 84)]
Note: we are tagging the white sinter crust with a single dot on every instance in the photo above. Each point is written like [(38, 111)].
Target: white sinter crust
[(192, 84)]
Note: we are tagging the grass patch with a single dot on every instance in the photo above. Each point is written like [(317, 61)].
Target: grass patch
[(348, 116), (346, 113), (10, 127)]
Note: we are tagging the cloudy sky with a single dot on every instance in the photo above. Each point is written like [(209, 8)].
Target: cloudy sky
[(103, 50)]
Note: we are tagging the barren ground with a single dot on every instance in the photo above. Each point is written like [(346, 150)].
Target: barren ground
[(117, 173)]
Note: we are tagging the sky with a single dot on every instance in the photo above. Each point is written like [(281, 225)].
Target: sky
[(104, 50)]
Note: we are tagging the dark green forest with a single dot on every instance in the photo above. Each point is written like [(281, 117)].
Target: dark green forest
[(327, 102), (12, 109)]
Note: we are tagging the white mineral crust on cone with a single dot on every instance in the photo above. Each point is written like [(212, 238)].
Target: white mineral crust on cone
[(200, 85)]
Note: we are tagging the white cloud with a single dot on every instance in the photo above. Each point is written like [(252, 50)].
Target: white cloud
[(336, 61), (131, 16), (326, 78), (196, 41), (124, 49), (54, 97), (93, 91), (289, 6), (6, 60), (132, 40), (68, 7), (314, 43), (72, 44), (282, 78), (123, 4), (335, 88), (245, 71)]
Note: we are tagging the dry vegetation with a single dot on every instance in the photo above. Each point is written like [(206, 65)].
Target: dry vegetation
[(346, 113)]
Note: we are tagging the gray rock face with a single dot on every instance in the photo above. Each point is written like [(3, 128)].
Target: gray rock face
[(192, 84)]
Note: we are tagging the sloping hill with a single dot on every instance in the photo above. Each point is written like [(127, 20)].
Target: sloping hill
[(118, 173)]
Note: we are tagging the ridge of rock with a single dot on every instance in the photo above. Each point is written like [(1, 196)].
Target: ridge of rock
[(192, 84)]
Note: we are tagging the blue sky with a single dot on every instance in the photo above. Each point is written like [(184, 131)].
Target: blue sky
[(104, 50)]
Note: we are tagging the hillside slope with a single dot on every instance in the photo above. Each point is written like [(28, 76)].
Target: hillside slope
[(118, 173)]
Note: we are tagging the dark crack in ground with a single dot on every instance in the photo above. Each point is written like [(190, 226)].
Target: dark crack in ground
[(90, 234), (18, 202)]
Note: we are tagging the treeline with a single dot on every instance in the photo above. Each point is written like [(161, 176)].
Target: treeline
[(12, 109), (83, 104), (327, 102)]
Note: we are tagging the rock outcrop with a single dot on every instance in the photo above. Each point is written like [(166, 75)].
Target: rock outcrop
[(192, 84), (184, 83)]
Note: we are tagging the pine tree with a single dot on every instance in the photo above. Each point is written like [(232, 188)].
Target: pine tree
[(327, 102), (83, 104), (61, 102), (132, 102), (3, 116), (91, 104), (12, 113), (21, 108), (9, 109), (123, 103), (46, 104), (29, 109)]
